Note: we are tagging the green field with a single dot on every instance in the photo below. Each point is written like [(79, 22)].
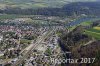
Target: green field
[(86, 23), (94, 30), (93, 33), (97, 28)]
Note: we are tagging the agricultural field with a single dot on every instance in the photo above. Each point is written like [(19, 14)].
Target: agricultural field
[(94, 32), (87, 23), (97, 28)]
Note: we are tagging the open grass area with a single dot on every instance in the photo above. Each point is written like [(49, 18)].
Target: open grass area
[(83, 24), (93, 33), (24, 41), (86, 23), (97, 28), (94, 30)]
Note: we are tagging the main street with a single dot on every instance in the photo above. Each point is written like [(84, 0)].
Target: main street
[(32, 46)]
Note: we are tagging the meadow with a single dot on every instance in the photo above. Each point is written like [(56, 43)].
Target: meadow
[(94, 33)]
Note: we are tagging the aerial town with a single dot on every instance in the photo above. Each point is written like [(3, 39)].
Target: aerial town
[(49, 33), (18, 37)]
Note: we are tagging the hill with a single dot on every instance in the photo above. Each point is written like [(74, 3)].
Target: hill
[(78, 8), (36, 3), (81, 46)]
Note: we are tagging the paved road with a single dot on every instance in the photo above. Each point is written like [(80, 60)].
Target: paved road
[(33, 46)]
